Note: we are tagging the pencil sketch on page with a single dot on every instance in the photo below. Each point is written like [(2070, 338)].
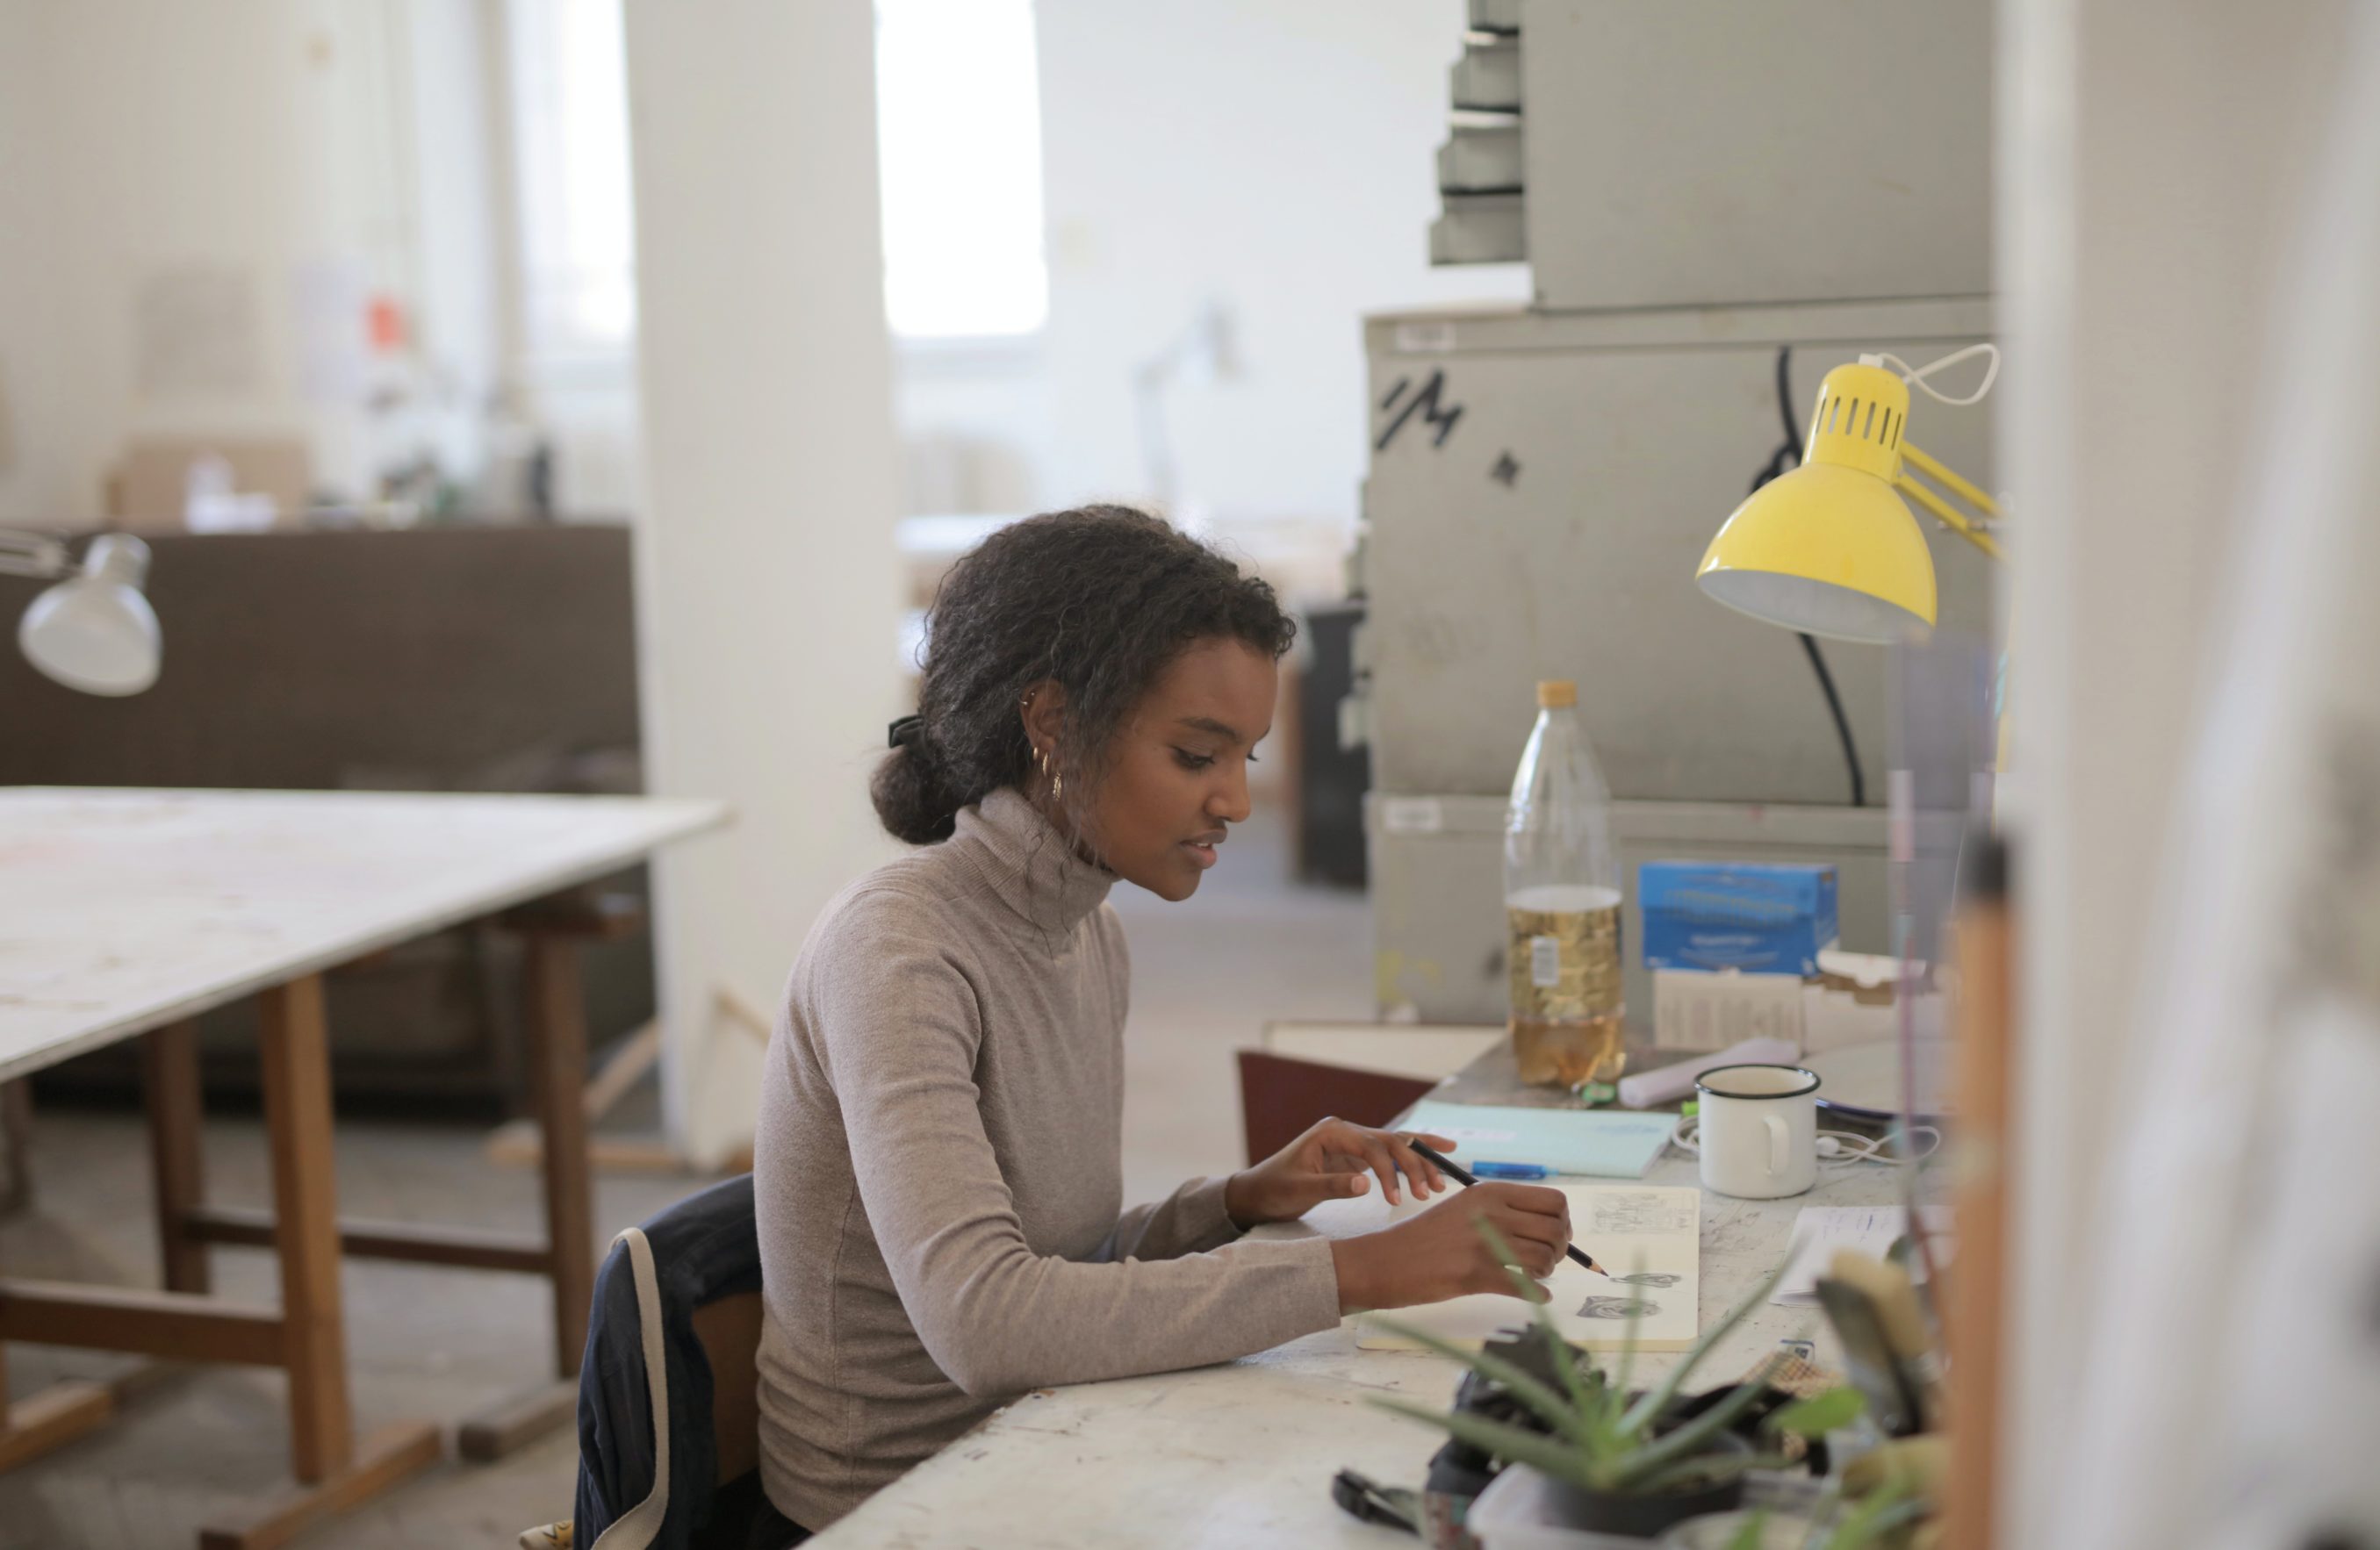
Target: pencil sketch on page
[(1618, 1307), (1646, 1233), (1620, 1213)]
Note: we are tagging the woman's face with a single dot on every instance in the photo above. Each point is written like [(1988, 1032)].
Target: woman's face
[(1178, 775)]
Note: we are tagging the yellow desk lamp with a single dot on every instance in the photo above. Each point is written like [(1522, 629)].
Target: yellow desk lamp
[(1831, 548)]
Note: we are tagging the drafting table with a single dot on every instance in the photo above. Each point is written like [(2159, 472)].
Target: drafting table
[(1243, 1454), (125, 913)]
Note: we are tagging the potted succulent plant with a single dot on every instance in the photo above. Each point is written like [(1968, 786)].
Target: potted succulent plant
[(1627, 1463)]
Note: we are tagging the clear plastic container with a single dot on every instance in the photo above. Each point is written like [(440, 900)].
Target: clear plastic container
[(1561, 904)]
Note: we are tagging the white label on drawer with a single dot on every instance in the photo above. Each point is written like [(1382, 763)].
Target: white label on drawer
[(1411, 815), (1423, 339)]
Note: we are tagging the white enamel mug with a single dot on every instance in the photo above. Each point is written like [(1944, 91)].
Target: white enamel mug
[(1758, 1130)]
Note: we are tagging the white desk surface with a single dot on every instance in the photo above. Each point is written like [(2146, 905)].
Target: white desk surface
[(1242, 1455), (1424, 1051), (122, 910)]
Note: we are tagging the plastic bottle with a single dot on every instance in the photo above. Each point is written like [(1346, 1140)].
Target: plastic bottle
[(1562, 904)]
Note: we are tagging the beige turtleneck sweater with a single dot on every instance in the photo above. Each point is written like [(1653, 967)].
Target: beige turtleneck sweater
[(939, 1179)]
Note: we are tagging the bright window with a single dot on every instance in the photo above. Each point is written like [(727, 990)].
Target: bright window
[(958, 118), (569, 99)]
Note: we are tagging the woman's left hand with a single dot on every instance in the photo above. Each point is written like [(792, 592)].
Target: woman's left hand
[(1331, 1161)]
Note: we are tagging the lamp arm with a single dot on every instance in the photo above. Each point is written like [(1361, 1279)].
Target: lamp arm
[(1951, 517), (34, 554), (1933, 468)]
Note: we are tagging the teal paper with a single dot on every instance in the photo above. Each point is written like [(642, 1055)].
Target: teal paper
[(1603, 1143)]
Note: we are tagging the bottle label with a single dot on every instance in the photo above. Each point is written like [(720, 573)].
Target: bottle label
[(1564, 964), (1545, 963)]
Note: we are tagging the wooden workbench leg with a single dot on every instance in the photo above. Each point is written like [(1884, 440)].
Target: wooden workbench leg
[(557, 1040), (305, 1196), (16, 1136), (176, 1118), (55, 1416)]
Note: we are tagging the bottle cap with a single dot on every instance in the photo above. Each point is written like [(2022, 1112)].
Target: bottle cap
[(1556, 694)]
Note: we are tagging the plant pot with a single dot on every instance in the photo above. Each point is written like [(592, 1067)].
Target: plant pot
[(1523, 1509), (1643, 1515)]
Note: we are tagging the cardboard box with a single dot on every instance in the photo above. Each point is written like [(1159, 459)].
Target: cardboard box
[(1695, 1009), (1856, 998), (1763, 919), (148, 491)]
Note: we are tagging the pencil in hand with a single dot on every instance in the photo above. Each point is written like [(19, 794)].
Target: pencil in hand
[(1455, 1172)]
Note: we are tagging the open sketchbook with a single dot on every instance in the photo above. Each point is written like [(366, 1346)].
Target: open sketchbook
[(1650, 1241)]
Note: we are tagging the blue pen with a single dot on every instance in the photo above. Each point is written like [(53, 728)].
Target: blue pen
[(1511, 1170)]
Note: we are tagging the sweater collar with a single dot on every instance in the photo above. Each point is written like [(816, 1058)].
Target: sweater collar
[(1025, 860)]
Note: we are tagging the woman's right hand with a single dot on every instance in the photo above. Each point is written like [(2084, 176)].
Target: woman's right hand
[(1440, 1253)]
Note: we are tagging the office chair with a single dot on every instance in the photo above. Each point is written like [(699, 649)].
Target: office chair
[(676, 1326)]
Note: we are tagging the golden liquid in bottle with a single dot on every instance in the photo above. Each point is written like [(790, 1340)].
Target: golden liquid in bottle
[(1564, 972)]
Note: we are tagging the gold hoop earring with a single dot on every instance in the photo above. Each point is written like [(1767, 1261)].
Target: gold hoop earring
[(1057, 782)]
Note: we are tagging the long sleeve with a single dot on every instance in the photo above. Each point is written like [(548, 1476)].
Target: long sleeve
[(899, 1026), (1190, 1220)]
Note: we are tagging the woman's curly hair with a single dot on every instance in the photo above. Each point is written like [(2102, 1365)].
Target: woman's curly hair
[(1099, 601)]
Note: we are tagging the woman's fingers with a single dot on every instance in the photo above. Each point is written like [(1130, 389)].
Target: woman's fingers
[(1382, 1160), (1371, 1149), (1535, 1222), (1427, 1180), (1339, 1146), (1535, 1257)]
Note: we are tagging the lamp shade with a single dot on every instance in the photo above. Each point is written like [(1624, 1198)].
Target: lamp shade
[(95, 631), (1831, 548)]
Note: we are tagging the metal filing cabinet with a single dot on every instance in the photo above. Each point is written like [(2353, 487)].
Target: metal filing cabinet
[(1711, 151), (1702, 152), (1694, 185)]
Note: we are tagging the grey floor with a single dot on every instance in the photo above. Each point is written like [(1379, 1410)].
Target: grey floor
[(440, 1344)]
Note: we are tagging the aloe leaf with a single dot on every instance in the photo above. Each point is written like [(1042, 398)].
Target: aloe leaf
[(1547, 1404), (1753, 1534), (1689, 1438), (1820, 1413), (1627, 1353), (1512, 1444), (1542, 1313), (1710, 1467), (1648, 1409)]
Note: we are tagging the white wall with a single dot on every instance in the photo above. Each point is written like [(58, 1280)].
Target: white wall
[(34, 478), (255, 140), (1276, 159), (767, 582), (2149, 159)]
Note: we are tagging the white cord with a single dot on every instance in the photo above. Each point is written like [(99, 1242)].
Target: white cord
[(1833, 1146), (1917, 374), (1844, 1146)]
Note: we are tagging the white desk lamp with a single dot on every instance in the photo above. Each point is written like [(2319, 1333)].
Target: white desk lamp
[(93, 631)]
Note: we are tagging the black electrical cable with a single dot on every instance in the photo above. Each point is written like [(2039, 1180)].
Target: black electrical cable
[(1789, 456)]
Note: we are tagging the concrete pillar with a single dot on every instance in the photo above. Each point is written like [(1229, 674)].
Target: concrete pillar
[(767, 591), (2151, 161)]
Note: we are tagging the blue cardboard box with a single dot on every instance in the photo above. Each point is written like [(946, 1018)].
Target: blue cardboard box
[(1763, 919)]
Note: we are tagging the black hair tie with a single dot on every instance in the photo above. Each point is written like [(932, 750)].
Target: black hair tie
[(903, 731)]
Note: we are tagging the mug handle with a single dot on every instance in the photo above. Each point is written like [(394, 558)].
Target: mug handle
[(1779, 1138)]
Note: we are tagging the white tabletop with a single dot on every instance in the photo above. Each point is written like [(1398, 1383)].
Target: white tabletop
[(1242, 1455), (123, 910)]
